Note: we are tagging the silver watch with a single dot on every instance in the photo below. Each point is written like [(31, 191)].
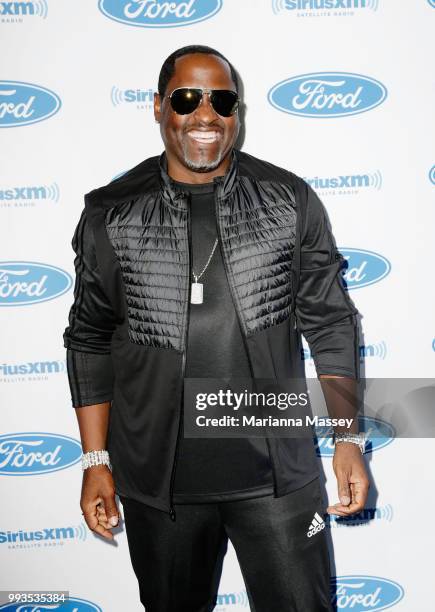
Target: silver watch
[(355, 438)]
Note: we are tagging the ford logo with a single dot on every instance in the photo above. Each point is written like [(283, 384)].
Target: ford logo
[(363, 593), (364, 267), (432, 174), (378, 433), (24, 103), (23, 283), (158, 13), (26, 454), (73, 604), (327, 94)]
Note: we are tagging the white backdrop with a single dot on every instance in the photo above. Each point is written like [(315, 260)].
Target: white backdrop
[(368, 153)]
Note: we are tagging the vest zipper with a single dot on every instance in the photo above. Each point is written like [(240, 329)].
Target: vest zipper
[(183, 368), (233, 296)]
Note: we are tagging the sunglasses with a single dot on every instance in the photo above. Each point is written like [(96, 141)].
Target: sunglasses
[(184, 100)]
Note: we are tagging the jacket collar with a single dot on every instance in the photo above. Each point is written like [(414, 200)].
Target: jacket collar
[(223, 184)]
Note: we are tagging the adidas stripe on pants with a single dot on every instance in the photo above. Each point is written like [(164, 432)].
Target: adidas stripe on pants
[(179, 564)]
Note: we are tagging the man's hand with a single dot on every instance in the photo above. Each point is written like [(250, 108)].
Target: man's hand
[(352, 480), (98, 500)]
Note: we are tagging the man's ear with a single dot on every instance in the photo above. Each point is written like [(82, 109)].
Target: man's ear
[(157, 107)]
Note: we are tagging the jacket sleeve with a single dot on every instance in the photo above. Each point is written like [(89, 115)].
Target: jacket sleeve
[(325, 313), (91, 324)]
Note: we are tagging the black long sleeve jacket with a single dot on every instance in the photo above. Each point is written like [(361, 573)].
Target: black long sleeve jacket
[(126, 337)]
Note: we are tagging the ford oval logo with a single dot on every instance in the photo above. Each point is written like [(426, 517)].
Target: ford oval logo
[(26, 454), (73, 604), (364, 267), (24, 103), (327, 94), (379, 433), (432, 175), (365, 593), (23, 283), (159, 13)]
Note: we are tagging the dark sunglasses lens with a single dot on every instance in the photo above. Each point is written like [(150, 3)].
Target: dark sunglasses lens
[(225, 102), (184, 101)]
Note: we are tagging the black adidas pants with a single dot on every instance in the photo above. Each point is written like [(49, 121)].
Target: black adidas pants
[(178, 563)]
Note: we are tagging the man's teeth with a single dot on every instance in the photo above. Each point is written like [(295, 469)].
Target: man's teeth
[(208, 136)]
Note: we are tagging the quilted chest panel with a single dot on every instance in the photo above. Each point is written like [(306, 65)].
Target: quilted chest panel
[(150, 242), (258, 227)]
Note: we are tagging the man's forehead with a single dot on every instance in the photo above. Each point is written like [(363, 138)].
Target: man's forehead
[(201, 70)]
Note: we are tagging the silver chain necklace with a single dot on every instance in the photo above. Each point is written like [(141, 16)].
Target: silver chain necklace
[(197, 293)]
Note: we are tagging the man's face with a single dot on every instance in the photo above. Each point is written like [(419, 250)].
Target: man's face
[(200, 142)]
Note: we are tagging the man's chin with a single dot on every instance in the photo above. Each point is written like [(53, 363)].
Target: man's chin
[(201, 163), (207, 168)]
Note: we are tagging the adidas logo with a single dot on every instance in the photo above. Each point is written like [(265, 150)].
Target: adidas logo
[(317, 524)]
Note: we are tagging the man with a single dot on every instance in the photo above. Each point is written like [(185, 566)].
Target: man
[(207, 262)]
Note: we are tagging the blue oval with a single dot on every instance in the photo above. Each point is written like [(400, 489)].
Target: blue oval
[(384, 435), (362, 593), (30, 453), (327, 94), (432, 175), (159, 14), (432, 3), (26, 282), (26, 103), (73, 604), (364, 267)]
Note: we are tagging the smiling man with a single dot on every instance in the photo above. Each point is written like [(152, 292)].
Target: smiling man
[(206, 262)]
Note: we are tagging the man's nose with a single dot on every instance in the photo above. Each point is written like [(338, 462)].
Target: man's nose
[(205, 111)]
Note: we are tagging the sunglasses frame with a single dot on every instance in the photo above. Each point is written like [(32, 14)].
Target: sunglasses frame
[(205, 90)]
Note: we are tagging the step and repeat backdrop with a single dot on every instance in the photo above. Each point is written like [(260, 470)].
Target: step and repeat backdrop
[(341, 92)]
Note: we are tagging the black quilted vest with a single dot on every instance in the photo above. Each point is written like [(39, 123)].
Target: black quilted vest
[(142, 235)]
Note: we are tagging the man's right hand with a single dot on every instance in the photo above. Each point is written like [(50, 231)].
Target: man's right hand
[(98, 500)]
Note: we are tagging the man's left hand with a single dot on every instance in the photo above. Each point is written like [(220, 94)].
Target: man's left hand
[(352, 480)]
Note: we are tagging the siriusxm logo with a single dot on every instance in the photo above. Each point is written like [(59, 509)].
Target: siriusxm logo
[(345, 183), (380, 513), (140, 98), (12, 12), (158, 13), (364, 267), (24, 103), (373, 350), (23, 197), (23, 283), (339, 7), (27, 454), (378, 434), (365, 350), (32, 370), (327, 94), (48, 536), (432, 173), (73, 604), (363, 593), (232, 599)]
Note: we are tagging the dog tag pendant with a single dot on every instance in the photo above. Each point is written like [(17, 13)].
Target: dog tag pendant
[(196, 295)]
